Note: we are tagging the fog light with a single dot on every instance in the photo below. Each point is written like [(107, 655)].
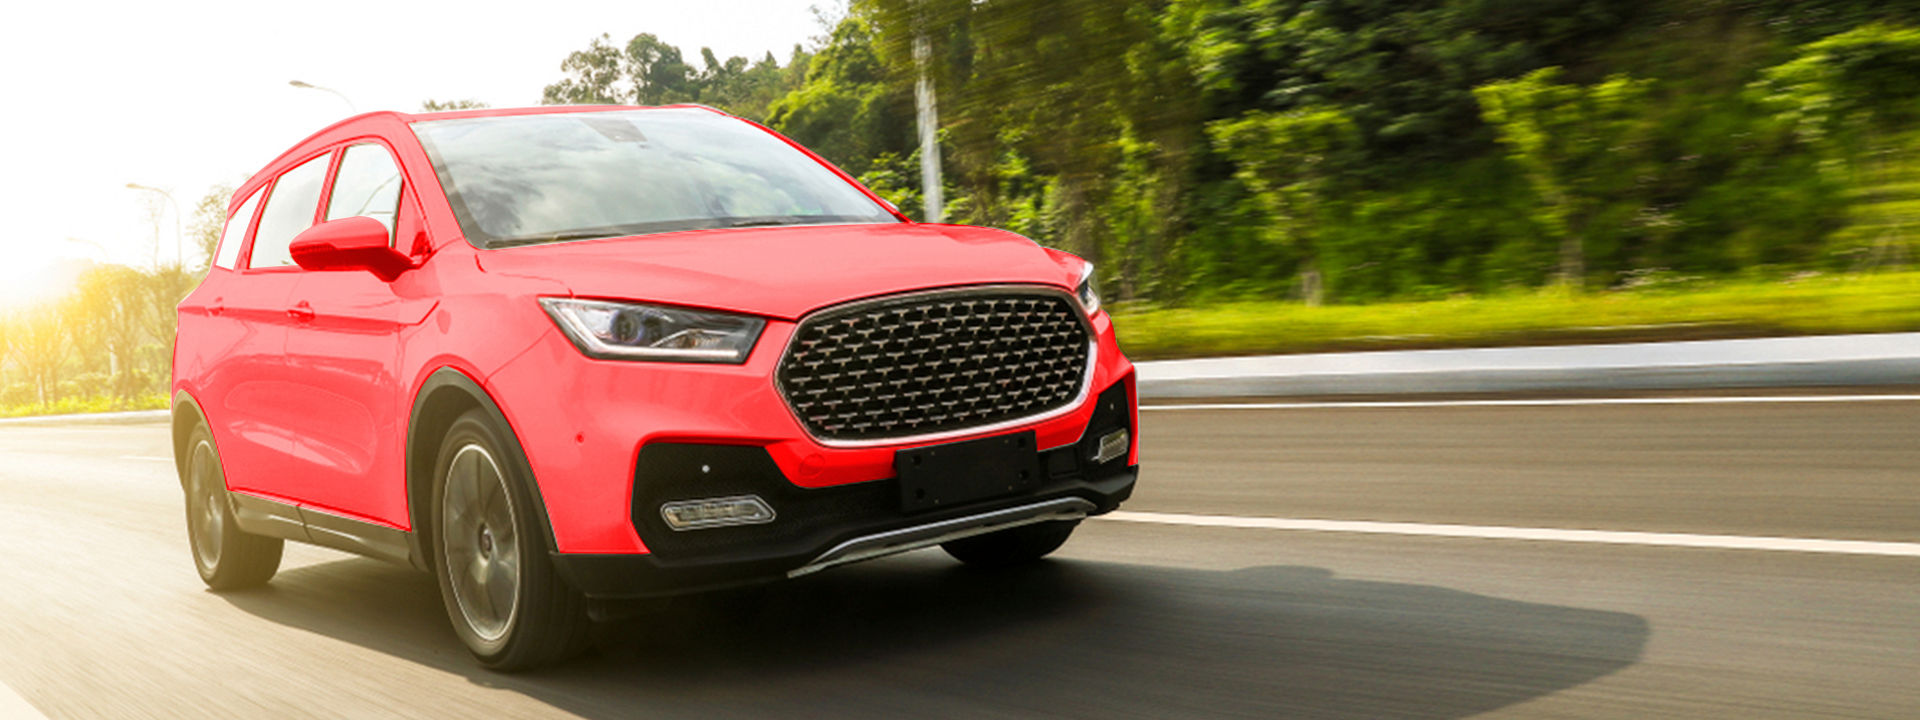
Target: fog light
[(1112, 445), (716, 512)]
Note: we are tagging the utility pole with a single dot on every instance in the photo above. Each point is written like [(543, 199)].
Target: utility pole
[(929, 121)]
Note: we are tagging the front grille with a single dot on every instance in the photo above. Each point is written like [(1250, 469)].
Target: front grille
[(935, 362)]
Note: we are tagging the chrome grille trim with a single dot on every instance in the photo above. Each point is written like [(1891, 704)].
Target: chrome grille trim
[(976, 291)]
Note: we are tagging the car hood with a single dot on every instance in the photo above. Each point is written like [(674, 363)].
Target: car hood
[(785, 272)]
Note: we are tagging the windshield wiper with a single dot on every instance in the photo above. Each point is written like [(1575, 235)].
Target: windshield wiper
[(763, 222), (556, 237)]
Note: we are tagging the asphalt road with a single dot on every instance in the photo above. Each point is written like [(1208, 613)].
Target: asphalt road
[(101, 615)]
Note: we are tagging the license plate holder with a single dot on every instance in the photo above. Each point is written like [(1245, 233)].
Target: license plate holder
[(939, 476)]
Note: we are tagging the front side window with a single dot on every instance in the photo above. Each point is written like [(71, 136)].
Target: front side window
[(290, 209), (235, 234), (528, 179), (367, 185)]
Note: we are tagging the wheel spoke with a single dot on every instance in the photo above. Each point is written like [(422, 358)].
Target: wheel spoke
[(477, 585), (488, 501), (500, 592)]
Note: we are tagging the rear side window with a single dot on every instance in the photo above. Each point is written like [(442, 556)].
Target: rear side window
[(367, 185), (290, 209), (236, 233)]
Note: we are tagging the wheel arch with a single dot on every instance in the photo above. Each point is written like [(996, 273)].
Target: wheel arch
[(447, 394), (186, 414)]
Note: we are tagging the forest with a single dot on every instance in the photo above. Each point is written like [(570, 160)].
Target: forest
[(1350, 151)]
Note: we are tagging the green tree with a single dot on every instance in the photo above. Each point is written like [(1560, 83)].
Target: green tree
[(431, 105), (846, 110), (595, 76), (1855, 97), (1294, 163), (648, 71), (1050, 81), (1580, 146), (40, 343), (113, 313)]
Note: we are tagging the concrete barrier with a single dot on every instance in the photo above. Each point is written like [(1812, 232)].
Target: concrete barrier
[(1876, 359)]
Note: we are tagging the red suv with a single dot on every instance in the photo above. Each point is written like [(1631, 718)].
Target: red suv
[(565, 356)]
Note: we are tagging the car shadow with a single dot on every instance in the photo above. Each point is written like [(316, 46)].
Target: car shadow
[(919, 636)]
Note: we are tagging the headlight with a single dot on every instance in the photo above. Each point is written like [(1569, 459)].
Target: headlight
[(631, 331), (1088, 294)]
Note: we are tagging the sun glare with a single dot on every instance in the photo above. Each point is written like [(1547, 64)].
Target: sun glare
[(40, 278)]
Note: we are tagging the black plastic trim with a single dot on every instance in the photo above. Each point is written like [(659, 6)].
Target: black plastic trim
[(261, 516), (448, 379), (634, 576), (273, 518), (358, 537)]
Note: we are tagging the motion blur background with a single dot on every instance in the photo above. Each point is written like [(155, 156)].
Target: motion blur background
[(1250, 176)]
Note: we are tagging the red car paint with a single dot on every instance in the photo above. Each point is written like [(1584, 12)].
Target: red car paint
[(307, 378)]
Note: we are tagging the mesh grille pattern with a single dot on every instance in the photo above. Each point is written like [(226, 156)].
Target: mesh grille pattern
[(934, 363)]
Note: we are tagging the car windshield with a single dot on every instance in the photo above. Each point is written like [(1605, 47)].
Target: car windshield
[(521, 180)]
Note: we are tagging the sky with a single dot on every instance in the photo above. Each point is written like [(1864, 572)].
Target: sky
[(185, 95)]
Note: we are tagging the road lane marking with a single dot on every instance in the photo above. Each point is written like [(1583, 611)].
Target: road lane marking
[(154, 458), (1542, 402), (1721, 542)]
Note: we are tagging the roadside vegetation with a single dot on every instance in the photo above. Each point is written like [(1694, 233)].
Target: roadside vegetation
[(1695, 309), (104, 346)]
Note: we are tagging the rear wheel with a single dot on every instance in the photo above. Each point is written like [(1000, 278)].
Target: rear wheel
[(227, 557), (490, 552), (1013, 546)]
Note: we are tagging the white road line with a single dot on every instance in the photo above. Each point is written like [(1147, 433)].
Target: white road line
[(155, 458), (1723, 542), (1532, 402)]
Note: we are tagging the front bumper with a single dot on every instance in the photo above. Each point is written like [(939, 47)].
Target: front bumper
[(816, 528), (610, 576)]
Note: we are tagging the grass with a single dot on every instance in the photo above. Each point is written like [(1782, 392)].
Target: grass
[(1884, 302), (77, 405)]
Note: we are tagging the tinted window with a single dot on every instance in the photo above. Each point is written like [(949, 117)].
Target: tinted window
[(236, 233), (289, 210), (367, 185), (539, 178)]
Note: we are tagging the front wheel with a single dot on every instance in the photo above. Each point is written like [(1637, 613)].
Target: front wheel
[(490, 552), (227, 557), (1013, 546)]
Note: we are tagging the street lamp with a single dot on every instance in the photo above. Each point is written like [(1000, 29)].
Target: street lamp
[(336, 93), (179, 246)]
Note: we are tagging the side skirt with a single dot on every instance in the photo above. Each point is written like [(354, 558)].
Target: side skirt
[(272, 518)]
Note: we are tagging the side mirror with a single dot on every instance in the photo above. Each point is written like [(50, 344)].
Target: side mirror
[(354, 243)]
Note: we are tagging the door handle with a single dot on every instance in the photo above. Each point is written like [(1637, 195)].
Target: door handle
[(216, 308), (301, 312)]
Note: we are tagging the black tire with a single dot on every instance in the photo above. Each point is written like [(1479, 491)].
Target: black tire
[(489, 547), (227, 557), (1014, 546)]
